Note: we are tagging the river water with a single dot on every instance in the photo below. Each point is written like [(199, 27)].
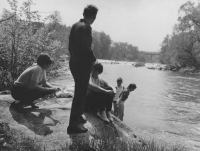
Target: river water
[(164, 102)]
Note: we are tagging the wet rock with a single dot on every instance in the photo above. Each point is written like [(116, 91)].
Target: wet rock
[(138, 64)]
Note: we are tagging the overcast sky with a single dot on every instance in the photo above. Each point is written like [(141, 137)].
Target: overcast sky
[(142, 23)]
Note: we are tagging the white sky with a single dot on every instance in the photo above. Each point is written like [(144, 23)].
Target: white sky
[(142, 23)]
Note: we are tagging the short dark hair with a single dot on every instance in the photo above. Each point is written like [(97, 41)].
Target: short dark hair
[(132, 86), (44, 59), (90, 10), (98, 67), (119, 79)]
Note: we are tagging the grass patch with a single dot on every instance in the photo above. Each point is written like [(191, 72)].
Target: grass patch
[(109, 141), (103, 140)]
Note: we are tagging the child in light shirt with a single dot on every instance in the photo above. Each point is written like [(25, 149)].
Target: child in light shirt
[(119, 89)]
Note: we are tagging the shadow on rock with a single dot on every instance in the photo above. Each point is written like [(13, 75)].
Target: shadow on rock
[(33, 122)]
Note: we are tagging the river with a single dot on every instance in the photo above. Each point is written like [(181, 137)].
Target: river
[(164, 102)]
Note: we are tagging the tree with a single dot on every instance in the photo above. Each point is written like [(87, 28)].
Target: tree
[(189, 31), (182, 47), (96, 44), (2, 20), (164, 47), (105, 42), (101, 45), (20, 44)]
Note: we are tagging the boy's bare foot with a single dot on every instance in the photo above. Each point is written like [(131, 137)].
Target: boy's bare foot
[(34, 106), (103, 116), (109, 115)]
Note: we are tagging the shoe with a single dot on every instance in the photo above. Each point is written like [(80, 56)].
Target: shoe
[(82, 119), (76, 129), (103, 116), (19, 108), (109, 115), (34, 106)]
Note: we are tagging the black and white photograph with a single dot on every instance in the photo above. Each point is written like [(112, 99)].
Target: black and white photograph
[(99, 75)]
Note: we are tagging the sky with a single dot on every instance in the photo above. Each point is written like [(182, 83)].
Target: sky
[(142, 23)]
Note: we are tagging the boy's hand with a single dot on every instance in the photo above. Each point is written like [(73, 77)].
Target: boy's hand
[(52, 89), (109, 92), (58, 89), (56, 122), (117, 105)]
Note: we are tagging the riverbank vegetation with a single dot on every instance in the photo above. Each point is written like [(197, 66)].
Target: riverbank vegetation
[(103, 141), (23, 35), (182, 48)]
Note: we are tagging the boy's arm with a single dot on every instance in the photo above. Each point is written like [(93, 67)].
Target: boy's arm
[(118, 100), (35, 80), (113, 88), (110, 86), (96, 88), (45, 83)]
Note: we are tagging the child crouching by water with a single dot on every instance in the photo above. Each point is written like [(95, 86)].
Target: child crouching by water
[(122, 98), (119, 89)]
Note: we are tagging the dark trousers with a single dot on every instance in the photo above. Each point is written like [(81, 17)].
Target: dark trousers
[(81, 74), (27, 96), (96, 101)]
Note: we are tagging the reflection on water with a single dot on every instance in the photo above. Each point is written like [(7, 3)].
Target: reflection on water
[(163, 101)]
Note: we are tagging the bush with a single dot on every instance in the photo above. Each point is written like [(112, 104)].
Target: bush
[(22, 40)]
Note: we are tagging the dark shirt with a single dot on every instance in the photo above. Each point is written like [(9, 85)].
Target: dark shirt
[(124, 95), (80, 41)]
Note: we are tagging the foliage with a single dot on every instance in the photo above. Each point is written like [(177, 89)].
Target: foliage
[(108, 140), (102, 46), (101, 141), (22, 39), (183, 47), (61, 34), (124, 51), (24, 36)]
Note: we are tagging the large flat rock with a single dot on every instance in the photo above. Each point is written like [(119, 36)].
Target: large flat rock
[(48, 124)]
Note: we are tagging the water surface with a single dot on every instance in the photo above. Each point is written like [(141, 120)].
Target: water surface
[(164, 102)]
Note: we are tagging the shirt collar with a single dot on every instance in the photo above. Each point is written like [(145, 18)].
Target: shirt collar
[(85, 21)]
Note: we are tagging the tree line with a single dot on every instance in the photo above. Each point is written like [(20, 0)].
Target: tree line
[(102, 46), (182, 48), (24, 35)]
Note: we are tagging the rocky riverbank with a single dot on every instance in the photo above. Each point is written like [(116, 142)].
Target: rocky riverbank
[(163, 67), (47, 126)]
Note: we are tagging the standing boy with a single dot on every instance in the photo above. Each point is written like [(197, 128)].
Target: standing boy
[(81, 61), (119, 89)]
